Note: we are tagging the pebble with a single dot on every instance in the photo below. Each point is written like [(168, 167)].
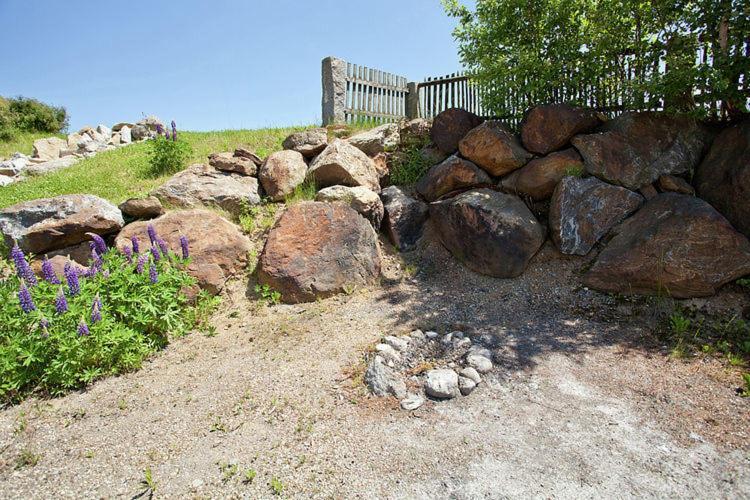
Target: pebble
[(458, 334), (447, 338), (432, 335), (417, 335), (461, 343), (479, 363), (388, 352), (398, 343), (197, 484), (466, 385), (412, 402), (442, 383), (471, 374), (481, 351)]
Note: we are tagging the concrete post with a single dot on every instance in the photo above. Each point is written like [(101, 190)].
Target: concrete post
[(334, 90), (412, 100)]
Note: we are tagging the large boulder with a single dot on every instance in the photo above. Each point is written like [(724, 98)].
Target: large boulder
[(361, 199), (634, 149), (453, 174), (414, 132), (404, 218), (493, 147), (140, 132), (148, 207), (281, 173), (49, 149), (675, 244), (723, 178), (318, 250), (342, 164), (307, 142), (52, 223), (492, 233), (450, 126), (382, 138), (218, 249), (582, 211), (204, 186), (550, 127), (229, 162), (51, 165), (538, 178)]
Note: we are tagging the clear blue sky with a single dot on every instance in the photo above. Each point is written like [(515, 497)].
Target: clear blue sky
[(209, 64)]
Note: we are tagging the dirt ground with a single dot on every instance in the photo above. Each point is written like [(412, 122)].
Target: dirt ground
[(584, 402)]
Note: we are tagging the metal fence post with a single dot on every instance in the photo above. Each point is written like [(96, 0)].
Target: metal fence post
[(334, 90), (412, 100)]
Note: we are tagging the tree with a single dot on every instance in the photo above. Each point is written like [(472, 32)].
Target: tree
[(681, 55)]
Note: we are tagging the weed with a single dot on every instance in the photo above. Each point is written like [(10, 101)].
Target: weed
[(21, 423), (408, 166), (302, 192), (267, 294), (218, 425), (249, 476), (574, 170), (148, 481), (228, 470), (679, 323), (122, 404), (27, 458), (746, 390), (277, 487)]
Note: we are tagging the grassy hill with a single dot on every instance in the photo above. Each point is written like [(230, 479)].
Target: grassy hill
[(123, 173)]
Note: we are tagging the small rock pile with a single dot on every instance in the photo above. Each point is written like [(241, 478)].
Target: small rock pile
[(424, 365), (54, 153)]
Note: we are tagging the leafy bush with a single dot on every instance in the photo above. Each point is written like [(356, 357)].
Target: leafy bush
[(61, 333), (168, 155), (20, 114)]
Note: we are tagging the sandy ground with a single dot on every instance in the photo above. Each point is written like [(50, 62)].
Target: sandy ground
[(583, 403)]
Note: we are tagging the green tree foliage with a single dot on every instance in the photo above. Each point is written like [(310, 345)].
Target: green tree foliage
[(30, 115), (589, 51)]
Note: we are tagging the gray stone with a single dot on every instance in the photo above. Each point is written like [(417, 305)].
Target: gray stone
[(412, 402), (377, 140), (49, 149), (471, 374), (432, 335), (442, 383), (140, 132), (309, 143), (383, 381), (104, 130), (126, 136), (398, 343), (466, 385), (52, 223), (360, 198), (387, 351), (404, 218), (202, 185), (343, 164), (6, 181), (479, 363)]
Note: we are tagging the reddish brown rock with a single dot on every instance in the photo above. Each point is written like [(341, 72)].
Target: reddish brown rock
[(281, 173), (317, 250), (450, 126), (142, 208), (307, 142), (675, 244), (648, 191), (53, 223), (58, 265), (218, 250), (490, 232), (361, 199), (538, 178), (451, 175), (675, 184), (584, 210), (723, 178), (228, 162), (341, 164), (404, 218), (635, 149), (550, 127), (249, 154), (493, 147)]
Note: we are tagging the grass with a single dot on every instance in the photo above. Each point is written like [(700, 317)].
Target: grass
[(124, 173), (23, 142)]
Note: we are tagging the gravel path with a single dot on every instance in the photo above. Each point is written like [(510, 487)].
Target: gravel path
[(583, 403)]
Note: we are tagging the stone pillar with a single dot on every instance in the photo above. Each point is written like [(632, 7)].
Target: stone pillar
[(412, 100), (334, 90)]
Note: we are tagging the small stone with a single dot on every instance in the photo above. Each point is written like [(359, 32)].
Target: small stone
[(417, 335), (383, 381), (466, 385), (447, 338), (461, 343), (442, 383), (471, 374), (432, 335), (480, 363), (197, 484), (412, 402), (481, 351), (388, 351), (458, 334), (398, 343)]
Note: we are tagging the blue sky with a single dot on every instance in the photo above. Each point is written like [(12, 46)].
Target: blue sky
[(209, 64)]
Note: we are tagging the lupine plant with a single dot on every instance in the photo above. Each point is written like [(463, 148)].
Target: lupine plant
[(168, 155), (61, 333)]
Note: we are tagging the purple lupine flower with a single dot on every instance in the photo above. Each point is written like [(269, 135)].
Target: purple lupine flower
[(151, 233), (105, 273), (99, 244), (83, 329), (163, 247), (155, 253), (136, 245), (96, 310), (159, 129), (185, 247), (152, 273), (71, 277), (95, 257), (61, 303), (141, 262), (166, 134), (48, 272), (91, 271), (128, 254), (23, 269), (24, 297), (174, 131)]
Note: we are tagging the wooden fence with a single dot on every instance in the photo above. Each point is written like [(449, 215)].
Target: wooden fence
[(437, 94)]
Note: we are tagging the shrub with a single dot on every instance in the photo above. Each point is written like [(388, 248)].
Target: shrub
[(168, 154), (408, 166), (32, 115), (61, 333)]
